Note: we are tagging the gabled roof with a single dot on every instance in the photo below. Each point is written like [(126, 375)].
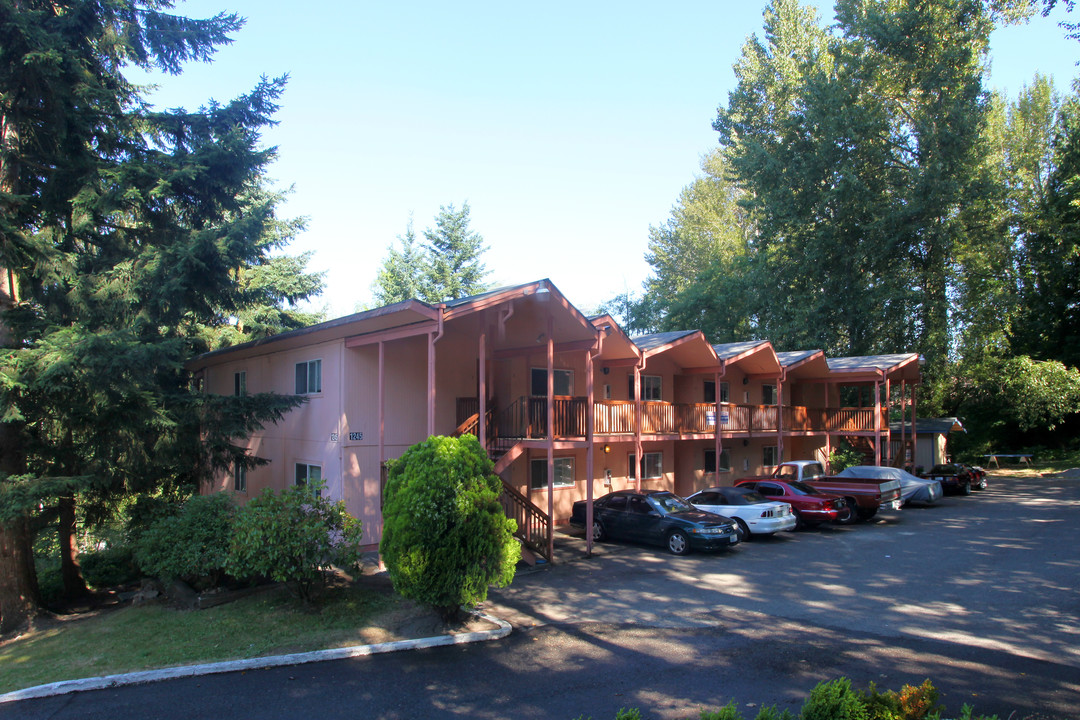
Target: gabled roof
[(930, 426), (686, 348), (537, 298), (657, 340), (803, 364), (897, 366), (754, 357), (731, 351)]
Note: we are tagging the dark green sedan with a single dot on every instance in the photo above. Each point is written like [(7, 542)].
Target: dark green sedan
[(657, 517)]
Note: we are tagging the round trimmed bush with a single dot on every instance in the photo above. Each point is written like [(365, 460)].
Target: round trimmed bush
[(446, 539)]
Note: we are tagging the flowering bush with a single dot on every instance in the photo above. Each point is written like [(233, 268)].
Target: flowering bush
[(445, 536), (293, 537)]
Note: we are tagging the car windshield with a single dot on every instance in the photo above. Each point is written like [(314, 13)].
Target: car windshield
[(943, 469), (668, 503)]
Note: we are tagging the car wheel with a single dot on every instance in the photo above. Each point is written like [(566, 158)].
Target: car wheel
[(597, 531), (853, 515), (966, 488), (865, 515), (678, 543), (742, 529)]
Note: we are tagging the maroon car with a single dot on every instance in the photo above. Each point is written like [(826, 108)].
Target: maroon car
[(811, 507)]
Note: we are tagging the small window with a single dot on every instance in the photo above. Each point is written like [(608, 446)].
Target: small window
[(240, 383), (309, 377), (723, 392), (564, 473), (650, 387), (239, 477), (770, 456), (653, 463), (308, 474), (710, 461), (768, 394), (564, 383), (639, 506), (709, 391)]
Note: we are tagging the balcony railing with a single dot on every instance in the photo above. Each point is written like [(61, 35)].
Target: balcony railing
[(526, 418)]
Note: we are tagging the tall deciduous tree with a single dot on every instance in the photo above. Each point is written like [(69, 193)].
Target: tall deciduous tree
[(124, 233)]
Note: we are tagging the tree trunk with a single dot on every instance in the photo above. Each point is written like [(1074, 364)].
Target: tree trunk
[(74, 584), (19, 598)]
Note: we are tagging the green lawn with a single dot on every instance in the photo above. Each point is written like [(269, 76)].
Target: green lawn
[(156, 636)]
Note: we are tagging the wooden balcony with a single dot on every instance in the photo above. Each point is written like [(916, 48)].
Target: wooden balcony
[(526, 418)]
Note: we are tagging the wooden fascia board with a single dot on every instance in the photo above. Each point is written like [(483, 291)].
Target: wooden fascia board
[(389, 334), (764, 376), (707, 370), (620, 362), (574, 346)]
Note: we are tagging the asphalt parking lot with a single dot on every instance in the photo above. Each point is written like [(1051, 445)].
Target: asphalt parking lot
[(977, 593)]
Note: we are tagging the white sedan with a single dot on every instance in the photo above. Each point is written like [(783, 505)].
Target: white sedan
[(752, 512)]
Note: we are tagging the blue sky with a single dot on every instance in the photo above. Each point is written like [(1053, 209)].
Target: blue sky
[(568, 127)]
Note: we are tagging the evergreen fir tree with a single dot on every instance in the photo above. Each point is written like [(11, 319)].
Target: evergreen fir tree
[(124, 234)]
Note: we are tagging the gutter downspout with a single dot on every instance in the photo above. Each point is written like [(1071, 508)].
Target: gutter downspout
[(877, 419)]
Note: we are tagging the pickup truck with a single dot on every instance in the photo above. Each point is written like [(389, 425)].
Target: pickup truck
[(865, 496)]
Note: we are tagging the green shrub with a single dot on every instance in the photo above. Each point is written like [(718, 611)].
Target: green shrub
[(911, 703), (728, 712), (834, 700), (293, 537), (771, 712), (192, 545), (445, 537), (109, 567), (844, 456)]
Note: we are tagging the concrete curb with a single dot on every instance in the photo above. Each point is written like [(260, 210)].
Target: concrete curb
[(147, 676)]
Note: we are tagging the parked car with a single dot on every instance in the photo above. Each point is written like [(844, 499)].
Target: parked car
[(865, 496), (753, 513), (657, 517), (810, 506), (978, 476), (953, 477), (912, 489)]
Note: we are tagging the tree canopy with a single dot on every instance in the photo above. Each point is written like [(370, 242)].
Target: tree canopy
[(446, 266), (130, 239)]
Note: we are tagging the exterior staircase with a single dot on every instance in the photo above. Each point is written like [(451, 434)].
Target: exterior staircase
[(534, 528)]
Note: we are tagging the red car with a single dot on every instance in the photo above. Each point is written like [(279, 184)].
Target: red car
[(811, 507)]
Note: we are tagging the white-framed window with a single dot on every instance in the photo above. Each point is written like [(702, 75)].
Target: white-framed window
[(650, 387), (309, 377), (768, 394), (307, 474), (653, 465), (607, 391), (770, 456), (239, 477), (564, 473), (240, 383), (564, 382), (710, 460)]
